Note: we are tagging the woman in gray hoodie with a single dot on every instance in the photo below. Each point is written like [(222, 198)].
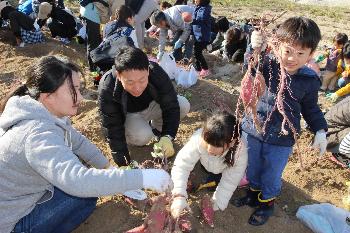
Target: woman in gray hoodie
[(44, 187)]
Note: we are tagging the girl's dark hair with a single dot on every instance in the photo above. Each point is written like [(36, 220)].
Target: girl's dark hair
[(204, 2), (222, 24), (346, 50), (123, 13), (340, 38), (233, 35), (221, 129), (45, 76), (180, 2), (165, 5)]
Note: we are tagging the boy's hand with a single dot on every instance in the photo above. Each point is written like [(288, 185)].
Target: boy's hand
[(320, 141), (257, 40), (333, 97), (177, 206), (178, 44)]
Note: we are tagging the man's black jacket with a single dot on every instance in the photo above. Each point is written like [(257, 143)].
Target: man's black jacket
[(113, 108)]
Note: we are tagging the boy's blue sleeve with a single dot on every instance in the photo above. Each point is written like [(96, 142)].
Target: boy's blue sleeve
[(311, 111)]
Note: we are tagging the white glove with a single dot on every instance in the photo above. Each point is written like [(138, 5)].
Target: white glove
[(320, 141), (156, 179), (177, 206), (257, 40), (209, 48), (333, 97), (215, 206), (36, 25)]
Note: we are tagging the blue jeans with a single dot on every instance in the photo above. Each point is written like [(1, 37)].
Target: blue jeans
[(266, 163), (62, 213), (178, 54)]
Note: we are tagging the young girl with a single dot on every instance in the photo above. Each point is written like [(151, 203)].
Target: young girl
[(218, 147), (235, 45), (201, 28), (44, 185), (333, 66)]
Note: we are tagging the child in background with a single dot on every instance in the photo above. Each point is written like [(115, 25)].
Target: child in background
[(153, 31), (201, 28), (268, 152), (333, 66), (344, 81), (219, 149), (235, 45)]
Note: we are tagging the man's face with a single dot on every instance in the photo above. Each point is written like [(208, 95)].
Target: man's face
[(134, 81), (294, 57)]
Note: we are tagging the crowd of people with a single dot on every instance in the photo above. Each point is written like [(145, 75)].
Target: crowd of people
[(51, 175)]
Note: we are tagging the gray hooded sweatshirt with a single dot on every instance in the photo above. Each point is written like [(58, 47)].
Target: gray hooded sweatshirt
[(39, 151)]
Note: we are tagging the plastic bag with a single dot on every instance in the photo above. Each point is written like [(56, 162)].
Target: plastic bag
[(187, 78), (325, 218), (168, 64)]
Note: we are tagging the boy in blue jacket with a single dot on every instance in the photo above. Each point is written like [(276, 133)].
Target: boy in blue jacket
[(268, 152), (201, 29)]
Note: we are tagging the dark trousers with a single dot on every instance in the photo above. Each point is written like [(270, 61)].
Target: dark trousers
[(238, 56), (59, 29), (93, 40), (200, 62), (20, 20)]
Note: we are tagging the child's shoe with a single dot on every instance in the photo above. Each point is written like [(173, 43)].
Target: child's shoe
[(251, 199), (204, 73), (262, 214)]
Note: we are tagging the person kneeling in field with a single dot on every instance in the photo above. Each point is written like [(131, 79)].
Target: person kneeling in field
[(138, 102), (44, 185), (220, 149)]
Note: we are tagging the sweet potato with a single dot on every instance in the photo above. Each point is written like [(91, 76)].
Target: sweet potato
[(139, 229), (207, 210), (157, 217)]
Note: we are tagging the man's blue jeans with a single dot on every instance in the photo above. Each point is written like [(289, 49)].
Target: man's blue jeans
[(266, 163), (62, 213)]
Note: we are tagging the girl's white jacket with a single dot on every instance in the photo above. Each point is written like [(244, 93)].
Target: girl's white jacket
[(189, 155)]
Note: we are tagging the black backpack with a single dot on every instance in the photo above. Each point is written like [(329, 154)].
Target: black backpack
[(103, 56)]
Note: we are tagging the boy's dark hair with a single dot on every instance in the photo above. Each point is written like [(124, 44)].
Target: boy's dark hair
[(233, 35), (157, 17), (222, 24), (123, 13), (346, 50), (300, 30), (130, 58), (45, 76), (165, 5), (204, 2), (221, 129), (340, 38)]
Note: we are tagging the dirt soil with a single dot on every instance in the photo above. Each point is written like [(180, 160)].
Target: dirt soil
[(319, 181)]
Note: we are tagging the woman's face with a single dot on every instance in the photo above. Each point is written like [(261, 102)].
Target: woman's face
[(60, 103)]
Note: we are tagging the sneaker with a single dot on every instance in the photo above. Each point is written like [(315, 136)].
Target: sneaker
[(204, 73)]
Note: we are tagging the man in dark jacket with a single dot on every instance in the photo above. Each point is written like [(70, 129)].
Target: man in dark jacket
[(338, 135), (137, 101)]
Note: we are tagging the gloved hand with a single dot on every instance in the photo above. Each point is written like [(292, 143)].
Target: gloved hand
[(320, 141), (159, 56), (177, 206), (225, 58), (167, 146), (36, 25), (257, 40), (333, 97), (345, 74), (156, 179), (178, 44), (209, 48), (215, 205)]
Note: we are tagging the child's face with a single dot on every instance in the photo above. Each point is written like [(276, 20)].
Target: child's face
[(131, 21), (213, 150), (294, 57), (337, 46)]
